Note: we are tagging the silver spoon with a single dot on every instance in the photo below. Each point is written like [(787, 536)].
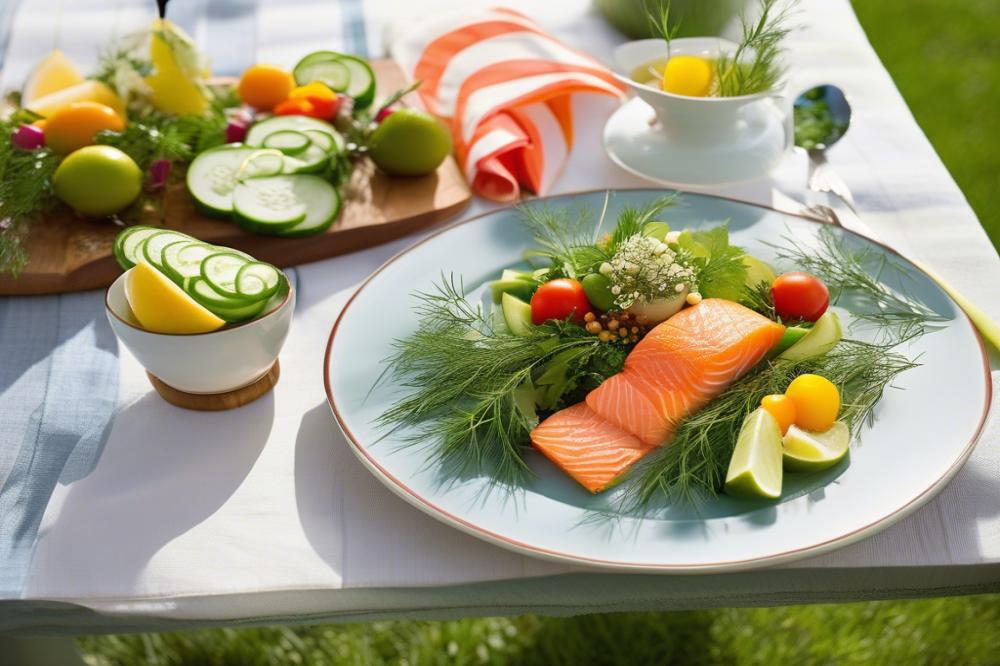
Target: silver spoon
[(822, 116), (821, 119)]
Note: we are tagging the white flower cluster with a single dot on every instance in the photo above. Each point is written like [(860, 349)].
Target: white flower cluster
[(645, 268)]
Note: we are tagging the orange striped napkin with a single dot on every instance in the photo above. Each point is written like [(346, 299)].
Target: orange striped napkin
[(504, 86)]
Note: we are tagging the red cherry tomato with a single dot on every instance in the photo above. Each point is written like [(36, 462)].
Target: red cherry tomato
[(799, 296), (559, 299)]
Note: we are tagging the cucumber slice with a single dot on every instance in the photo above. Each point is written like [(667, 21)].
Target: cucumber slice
[(219, 271), (260, 163), (323, 140), (312, 159), (182, 260), (521, 289), (821, 338), (118, 249), (261, 130), (362, 84), (324, 207), (322, 66), (266, 204), (132, 244), (213, 175), (290, 142), (230, 309), (257, 280), (317, 198), (152, 249)]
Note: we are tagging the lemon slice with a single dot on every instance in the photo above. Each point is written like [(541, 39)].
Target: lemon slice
[(755, 468), (161, 306), (53, 73), (804, 451)]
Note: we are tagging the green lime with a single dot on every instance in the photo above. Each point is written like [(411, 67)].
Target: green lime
[(805, 451), (755, 468), (409, 142), (97, 180)]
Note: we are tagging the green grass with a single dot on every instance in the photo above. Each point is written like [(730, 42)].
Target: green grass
[(936, 631), (943, 56)]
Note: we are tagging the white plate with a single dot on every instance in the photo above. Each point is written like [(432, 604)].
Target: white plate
[(920, 439)]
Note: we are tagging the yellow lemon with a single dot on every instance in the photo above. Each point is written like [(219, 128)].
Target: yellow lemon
[(53, 73), (176, 71), (161, 306), (87, 91), (688, 75)]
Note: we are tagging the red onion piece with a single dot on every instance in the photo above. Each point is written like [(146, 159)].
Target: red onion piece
[(383, 114), (159, 172), (236, 131), (28, 137)]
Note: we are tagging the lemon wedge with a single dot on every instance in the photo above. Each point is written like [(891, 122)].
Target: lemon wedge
[(688, 75), (161, 306), (53, 73), (176, 71), (804, 451), (755, 468), (85, 91)]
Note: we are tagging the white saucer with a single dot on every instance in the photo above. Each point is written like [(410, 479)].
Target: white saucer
[(638, 144)]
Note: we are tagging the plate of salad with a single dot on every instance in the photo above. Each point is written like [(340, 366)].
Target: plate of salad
[(660, 381)]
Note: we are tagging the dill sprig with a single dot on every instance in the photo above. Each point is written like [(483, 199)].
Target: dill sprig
[(25, 192), (470, 387), (698, 456), (755, 66), (157, 136), (856, 275)]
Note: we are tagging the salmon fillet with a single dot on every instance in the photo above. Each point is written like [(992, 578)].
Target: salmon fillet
[(675, 370), (588, 448)]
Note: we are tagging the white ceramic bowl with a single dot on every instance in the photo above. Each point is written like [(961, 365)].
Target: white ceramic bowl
[(215, 362)]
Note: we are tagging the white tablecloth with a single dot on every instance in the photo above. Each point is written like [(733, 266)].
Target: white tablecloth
[(264, 512)]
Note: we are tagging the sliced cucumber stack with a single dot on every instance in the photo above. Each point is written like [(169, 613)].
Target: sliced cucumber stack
[(343, 73), (296, 205), (229, 283)]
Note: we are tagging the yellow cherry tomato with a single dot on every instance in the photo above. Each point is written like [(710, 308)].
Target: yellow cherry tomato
[(817, 402), (781, 408), (265, 86), (688, 75)]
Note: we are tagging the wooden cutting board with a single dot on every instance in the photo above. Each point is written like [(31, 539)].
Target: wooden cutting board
[(68, 253)]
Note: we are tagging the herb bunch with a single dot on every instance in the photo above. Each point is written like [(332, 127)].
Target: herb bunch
[(472, 390), (755, 66)]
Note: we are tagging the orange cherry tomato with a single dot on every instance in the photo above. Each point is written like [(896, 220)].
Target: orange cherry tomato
[(781, 408), (75, 125), (265, 86), (799, 295), (559, 299)]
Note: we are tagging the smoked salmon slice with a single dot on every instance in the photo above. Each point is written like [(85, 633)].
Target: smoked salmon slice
[(675, 370)]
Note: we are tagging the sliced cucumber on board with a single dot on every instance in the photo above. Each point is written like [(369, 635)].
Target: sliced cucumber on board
[(212, 177), (315, 197), (264, 162), (261, 130), (362, 84), (268, 205), (290, 142), (311, 160), (325, 67)]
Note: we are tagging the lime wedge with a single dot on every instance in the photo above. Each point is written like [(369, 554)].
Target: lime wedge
[(804, 451), (755, 468)]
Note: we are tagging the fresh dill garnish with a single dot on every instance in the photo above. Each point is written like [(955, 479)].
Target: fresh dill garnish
[(755, 66), (856, 274), (632, 220), (25, 192), (758, 298), (472, 388), (698, 455), (159, 137)]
